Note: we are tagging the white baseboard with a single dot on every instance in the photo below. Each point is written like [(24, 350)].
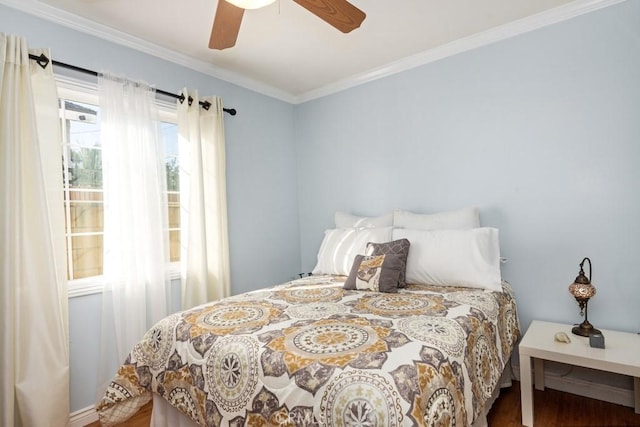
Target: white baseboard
[(83, 417), (585, 387), (597, 391)]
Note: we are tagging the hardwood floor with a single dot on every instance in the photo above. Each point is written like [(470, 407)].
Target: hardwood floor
[(551, 408), (554, 408)]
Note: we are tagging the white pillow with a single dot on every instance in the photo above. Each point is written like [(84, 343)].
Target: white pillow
[(341, 245), (468, 258), (459, 219), (345, 220)]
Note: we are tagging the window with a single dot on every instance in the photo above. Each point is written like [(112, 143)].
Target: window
[(83, 191), (82, 173), (169, 132)]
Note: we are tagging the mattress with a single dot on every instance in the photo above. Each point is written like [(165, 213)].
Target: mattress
[(309, 352)]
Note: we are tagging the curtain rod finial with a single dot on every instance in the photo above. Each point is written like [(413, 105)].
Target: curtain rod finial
[(42, 60)]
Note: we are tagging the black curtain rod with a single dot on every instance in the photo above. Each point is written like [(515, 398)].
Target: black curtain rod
[(43, 61)]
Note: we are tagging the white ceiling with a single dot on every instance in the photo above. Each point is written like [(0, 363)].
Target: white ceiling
[(285, 51)]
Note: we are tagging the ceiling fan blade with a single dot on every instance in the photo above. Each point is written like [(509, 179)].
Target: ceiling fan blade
[(226, 26), (339, 13)]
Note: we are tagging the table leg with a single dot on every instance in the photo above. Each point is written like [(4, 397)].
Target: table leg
[(526, 392), (538, 371), (636, 393)]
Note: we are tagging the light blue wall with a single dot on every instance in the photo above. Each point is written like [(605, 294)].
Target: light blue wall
[(261, 184), (541, 131)]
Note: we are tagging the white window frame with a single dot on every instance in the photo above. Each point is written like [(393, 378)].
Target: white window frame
[(81, 91)]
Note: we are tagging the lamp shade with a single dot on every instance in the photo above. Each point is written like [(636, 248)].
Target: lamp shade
[(582, 290), (250, 4)]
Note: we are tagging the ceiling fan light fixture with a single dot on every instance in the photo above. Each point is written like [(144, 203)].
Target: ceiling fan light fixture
[(340, 14), (250, 4)]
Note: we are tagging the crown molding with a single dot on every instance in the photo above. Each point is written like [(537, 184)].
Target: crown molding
[(534, 22), (521, 26)]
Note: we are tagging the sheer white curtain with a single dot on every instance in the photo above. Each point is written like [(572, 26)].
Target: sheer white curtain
[(203, 196), (35, 353), (136, 253)]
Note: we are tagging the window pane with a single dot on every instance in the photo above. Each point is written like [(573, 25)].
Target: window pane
[(174, 245), (85, 212), (86, 254), (85, 167), (172, 166), (170, 139), (174, 210), (83, 146)]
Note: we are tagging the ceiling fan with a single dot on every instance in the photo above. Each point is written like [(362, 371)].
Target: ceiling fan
[(338, 13)]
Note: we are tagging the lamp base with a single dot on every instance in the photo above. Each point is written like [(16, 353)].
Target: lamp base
[(585, 329)]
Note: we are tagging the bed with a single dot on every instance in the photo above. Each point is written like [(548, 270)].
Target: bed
[(321, 351)]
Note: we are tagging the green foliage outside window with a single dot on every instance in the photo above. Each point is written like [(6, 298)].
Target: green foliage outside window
[(85, 168)]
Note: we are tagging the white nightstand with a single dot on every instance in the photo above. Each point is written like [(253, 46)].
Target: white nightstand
[(620, 355)]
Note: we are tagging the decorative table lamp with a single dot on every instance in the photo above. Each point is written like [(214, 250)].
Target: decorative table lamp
[(582, 290)]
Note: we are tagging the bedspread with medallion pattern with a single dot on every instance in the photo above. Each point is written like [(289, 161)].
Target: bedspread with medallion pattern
[(309, 353)]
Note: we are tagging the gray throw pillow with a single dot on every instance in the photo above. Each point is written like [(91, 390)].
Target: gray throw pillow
[(378, 273), (397, 247)]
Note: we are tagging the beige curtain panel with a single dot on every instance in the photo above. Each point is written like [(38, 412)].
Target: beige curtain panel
[(203, 196), (35, 354)]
